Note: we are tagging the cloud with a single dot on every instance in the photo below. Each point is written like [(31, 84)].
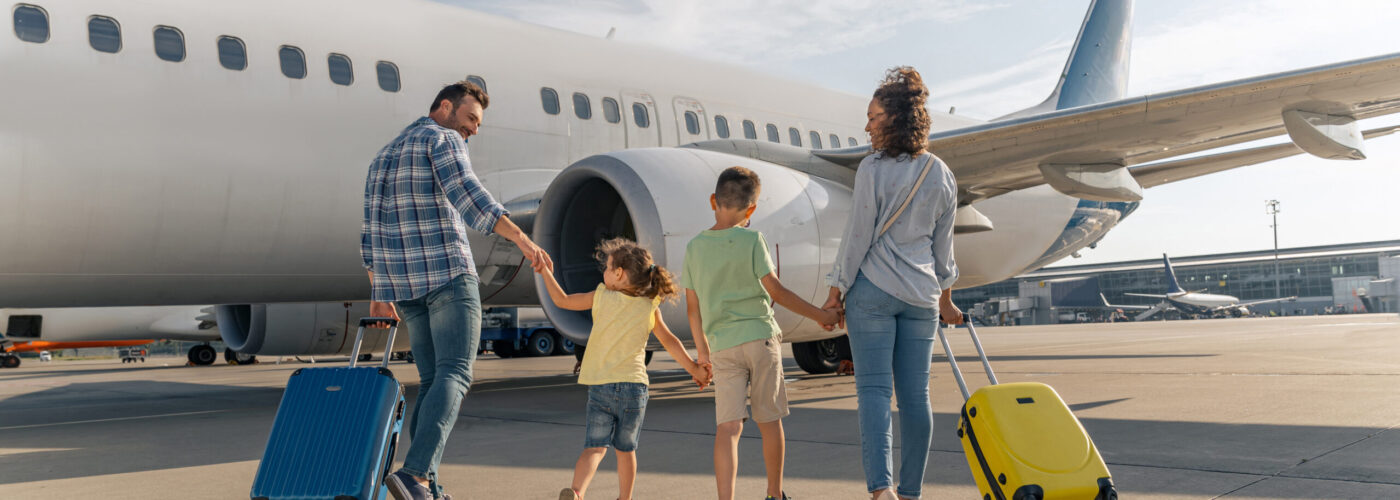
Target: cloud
[(738, 31)]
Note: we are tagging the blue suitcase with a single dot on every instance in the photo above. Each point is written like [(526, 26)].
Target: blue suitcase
[(335, 431)]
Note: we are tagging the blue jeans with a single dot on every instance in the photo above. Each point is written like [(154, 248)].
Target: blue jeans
[(446, 328), (891, 345), (615, 414)]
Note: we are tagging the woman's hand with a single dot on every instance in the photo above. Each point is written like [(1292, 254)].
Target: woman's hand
[(833, 303), (949, 313)]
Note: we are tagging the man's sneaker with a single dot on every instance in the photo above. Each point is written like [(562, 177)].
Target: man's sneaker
[(403, 486), (568, 494)]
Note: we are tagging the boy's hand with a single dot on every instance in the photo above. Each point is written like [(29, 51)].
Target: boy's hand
[(700, 375)]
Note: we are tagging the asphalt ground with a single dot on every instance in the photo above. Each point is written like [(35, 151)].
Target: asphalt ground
[(1288, 408)]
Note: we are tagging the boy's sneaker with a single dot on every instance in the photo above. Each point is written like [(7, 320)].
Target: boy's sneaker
[(403, 486), (568, 494)]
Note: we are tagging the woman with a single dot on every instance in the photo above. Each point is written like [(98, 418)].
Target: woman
[(895, 284)]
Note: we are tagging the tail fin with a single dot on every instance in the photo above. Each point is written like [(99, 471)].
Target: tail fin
[(1172, 286), (1097, 70)]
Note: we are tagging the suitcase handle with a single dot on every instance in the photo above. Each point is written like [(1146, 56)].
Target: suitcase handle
[(952, 361), (360, 337)]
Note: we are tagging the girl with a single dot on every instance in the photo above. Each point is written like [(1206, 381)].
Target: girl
[(614, 368)]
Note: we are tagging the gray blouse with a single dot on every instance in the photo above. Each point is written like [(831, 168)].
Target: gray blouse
[(913, 261)]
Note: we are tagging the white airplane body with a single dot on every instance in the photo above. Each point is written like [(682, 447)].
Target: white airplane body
[(129, 180)]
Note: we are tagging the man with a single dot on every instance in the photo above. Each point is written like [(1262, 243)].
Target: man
[(420, 196)]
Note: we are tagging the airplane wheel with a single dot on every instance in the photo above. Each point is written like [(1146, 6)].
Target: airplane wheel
[(563, 346), (818, 357), (503, 349), (648, 358), (203, 355), (235, 358), (10, 362), (366, 357)]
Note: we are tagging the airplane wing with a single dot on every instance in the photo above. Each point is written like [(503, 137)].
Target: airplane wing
[(1080, 151), (1158, 173), (1265, 301), (1122, 306), (1150, 295)]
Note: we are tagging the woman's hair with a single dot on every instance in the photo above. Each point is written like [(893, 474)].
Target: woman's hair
[(645, 278), (904, 98)]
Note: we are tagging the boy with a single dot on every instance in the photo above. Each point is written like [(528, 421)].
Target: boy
[(729, 281)]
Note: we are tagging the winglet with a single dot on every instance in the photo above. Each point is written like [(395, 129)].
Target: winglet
[(1172, 286)]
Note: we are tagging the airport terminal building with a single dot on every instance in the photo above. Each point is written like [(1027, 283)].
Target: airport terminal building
[(1357, 277)]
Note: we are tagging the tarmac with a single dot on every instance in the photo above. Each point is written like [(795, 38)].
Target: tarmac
[(1291, 408)]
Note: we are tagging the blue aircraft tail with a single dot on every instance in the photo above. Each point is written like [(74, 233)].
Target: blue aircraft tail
[(1097, 70), (1172, 286)]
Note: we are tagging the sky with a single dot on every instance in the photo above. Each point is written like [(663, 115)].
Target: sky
[(992, 57)]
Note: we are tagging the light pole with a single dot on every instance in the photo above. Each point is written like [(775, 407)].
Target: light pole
[(1271, 207)]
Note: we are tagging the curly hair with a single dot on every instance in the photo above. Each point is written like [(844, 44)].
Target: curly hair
[(645, 278), (904, 97)]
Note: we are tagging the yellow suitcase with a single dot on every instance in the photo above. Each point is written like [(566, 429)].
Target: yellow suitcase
[(1022, 442)]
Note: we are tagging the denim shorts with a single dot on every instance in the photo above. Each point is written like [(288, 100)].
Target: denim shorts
[(615, 415)]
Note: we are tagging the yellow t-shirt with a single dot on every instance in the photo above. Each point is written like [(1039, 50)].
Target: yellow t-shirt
[(616, 350)]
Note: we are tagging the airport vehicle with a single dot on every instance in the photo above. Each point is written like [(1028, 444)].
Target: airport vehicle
[(585, 138), (1194, 302), (1021, 440), (522, 332), (132, 355), (335, 431), (45, 356)]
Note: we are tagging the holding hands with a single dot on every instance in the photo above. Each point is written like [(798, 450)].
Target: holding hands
[(702, 372), (835, 306)]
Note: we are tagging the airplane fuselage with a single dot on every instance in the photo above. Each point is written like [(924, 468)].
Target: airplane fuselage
[(126, 179)]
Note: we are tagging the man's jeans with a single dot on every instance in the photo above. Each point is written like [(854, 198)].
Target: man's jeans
[(446, 328), (892, 346)]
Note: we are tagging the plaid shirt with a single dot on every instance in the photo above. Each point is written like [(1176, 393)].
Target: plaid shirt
[(419, 197)]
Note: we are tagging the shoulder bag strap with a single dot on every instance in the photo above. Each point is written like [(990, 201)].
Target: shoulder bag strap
[(927, 165)]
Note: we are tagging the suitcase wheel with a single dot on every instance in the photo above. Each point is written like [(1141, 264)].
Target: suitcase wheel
[(1106, 490)]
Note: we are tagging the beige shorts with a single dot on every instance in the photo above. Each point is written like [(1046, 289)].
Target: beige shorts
[(752, 371)]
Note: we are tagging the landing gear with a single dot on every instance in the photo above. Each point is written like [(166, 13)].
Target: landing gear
[(406, 356), (203, 355), (822, 356), (9, 361), (365, 358), (564, 346), (504, 349), (233, 357)]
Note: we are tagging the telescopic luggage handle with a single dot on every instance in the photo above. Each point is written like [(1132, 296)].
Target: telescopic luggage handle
[(952, 361), (360, 337)]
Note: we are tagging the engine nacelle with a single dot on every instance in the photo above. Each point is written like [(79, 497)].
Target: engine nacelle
[(636, 193), (300, 329)]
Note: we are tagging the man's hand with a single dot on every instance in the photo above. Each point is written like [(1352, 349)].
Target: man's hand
[(383, 310), (539, 259)]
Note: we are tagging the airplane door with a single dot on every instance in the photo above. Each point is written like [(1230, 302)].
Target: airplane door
[(691, 124), (639, 112)]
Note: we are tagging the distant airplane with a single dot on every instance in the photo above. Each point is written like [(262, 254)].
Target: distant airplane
[(1194, 302), (9, 349)]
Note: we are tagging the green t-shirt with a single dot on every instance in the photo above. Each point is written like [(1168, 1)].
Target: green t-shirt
[(724, 268)]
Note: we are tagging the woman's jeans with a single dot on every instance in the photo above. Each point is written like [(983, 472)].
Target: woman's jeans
[(892, 347), (446, 328)]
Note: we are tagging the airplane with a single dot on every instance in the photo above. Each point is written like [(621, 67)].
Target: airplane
[(83, 327), (182, 153), (1194, 302), (10, 349)]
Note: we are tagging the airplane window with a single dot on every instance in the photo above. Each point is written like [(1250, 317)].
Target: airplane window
[(479, 81), (342, 72), (610, 111), (170, 44), (835, 141), (773, 133), (852, 141), (388, 76), (749, 132), (794, 136), (104, 34), (639, 114), (293, 62), (816, 140), (232, 53), (31, 24), (692, 123), (550, 100), (582, 107), (721, 127)]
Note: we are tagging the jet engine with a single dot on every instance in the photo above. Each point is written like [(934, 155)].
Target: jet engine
[(300, 329), (636, 193)]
